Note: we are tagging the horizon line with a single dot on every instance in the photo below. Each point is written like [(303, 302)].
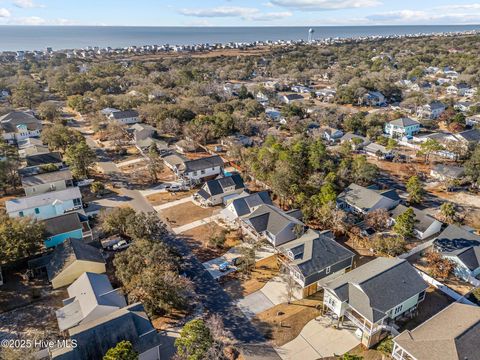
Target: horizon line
[(227, 26)]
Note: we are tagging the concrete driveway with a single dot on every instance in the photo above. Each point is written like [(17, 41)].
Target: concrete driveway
[(254, 303), (276, 290), (319, 339)]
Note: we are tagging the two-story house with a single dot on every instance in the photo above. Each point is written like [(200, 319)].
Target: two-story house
[(314, 257), (403, 127), (217, 191), (46, 182), (124, 117), (373, 296), (19, 125), (431, 111), (72, 225), (244, 204), (451, 334), (461, 246), (425, 225), (362, 200), (44, 206), (373, 98), (198, 170)]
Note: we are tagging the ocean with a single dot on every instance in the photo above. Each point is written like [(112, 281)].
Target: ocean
[(14, 38)]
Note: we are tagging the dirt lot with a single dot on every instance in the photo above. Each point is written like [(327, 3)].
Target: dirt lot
[(166, 197), (238, 286), (284, 322), (186, 213), (198, 239), (367, 354)]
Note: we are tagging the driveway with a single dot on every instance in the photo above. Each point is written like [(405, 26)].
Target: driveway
[(254, 303), (276, 290), (319, 339)]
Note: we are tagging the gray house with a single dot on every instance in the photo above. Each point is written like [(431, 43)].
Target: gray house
[(374, 295), (313, 257), (451, 334), (244, 205), (425, 225), (461, 246), (46, 182), (216, 191), (362, 200)]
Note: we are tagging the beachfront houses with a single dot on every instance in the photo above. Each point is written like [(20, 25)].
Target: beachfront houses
[(403, 127), (44, 206), (451, 334), (19, 125), (374, 296)]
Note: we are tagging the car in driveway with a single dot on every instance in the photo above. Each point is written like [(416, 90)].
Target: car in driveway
[(176, 187), (224, 266)]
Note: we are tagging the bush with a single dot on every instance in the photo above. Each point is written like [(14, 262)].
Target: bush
[(386, 345)]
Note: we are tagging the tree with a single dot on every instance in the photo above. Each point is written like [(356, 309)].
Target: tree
[(9, 166), (378, 219), (405, 223), (348, 356), (59, 137), (247, 259), (149, 271), (122, 351), (19, 238), (429, 147), (448, 212), (26, 93), (117, 220), (97, 187), (472, 166), (362, 171), (80, 158), (439, 266), (388, 245), (195, 340), (415, 190), (48, 110), (155, 163)]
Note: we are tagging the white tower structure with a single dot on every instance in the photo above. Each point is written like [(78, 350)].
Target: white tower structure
[(310, 35)]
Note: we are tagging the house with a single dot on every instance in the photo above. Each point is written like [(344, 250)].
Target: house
[(71, 225), (4, 94), (273, 114), (431, 111), (423, 86), (200, 169), (94, 338), (90, 297), (39, 162), (273, 224), (357, 141), (379, 151), (124, 117), (451, 334), (464, 106), (46, 182), (373, 296), (142, 131), (217, 191), (185, 146), (458, 90), (444, 172), (144, 145), (469, 137), (44, 206), (328, 133), (69, 261), (237, 140), (244, 204), (326, 95), (19, 125), (473, 120), (373, 98), (461, 246), (313, 257), (403, 127), (301, 89), (362, 200), (291, 98), (425, 225)]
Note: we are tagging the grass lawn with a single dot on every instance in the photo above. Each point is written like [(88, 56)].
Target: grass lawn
[(185, 214), (199, 237), (283, 323), (166, 197), (238, 286)]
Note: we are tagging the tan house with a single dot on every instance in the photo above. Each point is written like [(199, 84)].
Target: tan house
[(71, 259)]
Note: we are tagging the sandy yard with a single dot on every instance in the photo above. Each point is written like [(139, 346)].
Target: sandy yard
[(198, 240), (238, 287), (166, 197), (283, 323), (185, 213)]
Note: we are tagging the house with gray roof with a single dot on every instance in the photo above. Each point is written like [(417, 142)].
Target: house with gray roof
[(70, 225), (431, 111), (197, 170), (425, 225), (362, 200), (244, 204), (91, 296), (378, 151), (461, 245), (20, 125), (445, 172), (314, 257), (48, 181), (403, 127), (357, 141), (124, 117), (451, 334), (273, 224), (373, 296), (217, 191)]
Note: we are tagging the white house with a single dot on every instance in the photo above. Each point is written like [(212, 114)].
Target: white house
[(124, 117), (458, 90), (473, 120), (20, 125), (431, 111), (195, 171), (216, 191), (362, 200), (425, 225), (291, 98), (46, 205), (244, 204), (402, 127), (373, 98), (373, 296)]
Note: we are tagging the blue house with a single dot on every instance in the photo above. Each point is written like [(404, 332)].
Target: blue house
[(403, 127), (72, 225)]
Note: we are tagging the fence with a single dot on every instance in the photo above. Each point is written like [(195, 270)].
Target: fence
[(417, 249)]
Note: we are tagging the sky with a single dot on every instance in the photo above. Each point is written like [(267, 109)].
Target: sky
[(238, 12)]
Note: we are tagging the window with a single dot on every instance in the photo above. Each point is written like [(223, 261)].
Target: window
[(213, 168), (331, 302), (398, 310), (421, 296), (37, 211), (194, 173), (327, 270), (20, 214), (77, 202), (202, 171)]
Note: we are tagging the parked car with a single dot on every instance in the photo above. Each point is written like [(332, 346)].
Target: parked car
[(122, 244), (176, 188), (224, 266)]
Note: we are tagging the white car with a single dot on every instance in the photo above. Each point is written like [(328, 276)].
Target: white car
[(122, 244)]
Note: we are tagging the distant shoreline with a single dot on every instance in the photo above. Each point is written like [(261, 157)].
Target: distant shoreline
[(69, 37)]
